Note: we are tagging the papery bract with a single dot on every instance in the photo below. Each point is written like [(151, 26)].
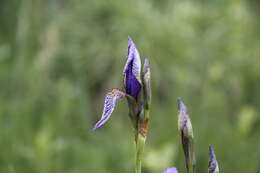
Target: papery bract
[(110, 102), (132, 70), (146, 77)]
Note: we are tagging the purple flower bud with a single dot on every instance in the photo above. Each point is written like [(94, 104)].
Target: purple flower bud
[(184, 123), (186, 133), (170, 170), (213, 164), (110, 103), (132, 70)]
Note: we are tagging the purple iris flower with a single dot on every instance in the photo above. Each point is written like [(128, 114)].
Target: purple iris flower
[(132, 82), (132, 71), (170, 170)]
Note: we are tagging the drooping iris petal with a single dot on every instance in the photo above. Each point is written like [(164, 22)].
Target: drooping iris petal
[(110, 102), (170, 170), (213, 163), (132, 70)]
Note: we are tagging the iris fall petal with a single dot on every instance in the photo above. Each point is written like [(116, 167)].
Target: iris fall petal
[(110, 103)]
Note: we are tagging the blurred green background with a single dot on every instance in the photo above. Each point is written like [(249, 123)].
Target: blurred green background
[(59, 57)]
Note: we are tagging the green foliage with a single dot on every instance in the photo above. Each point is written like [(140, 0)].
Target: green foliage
[(58, 57)]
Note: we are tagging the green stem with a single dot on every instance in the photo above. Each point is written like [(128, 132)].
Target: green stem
[(140, 143), (140, 139)]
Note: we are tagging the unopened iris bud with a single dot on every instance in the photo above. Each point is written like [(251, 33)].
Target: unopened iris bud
[(147, 83), (184, 123), (170, 170), (213, 163), (187, 139)]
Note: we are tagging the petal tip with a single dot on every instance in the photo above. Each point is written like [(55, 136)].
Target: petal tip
[(181, 105), (132, 46), (93, 129), (211, 153), (170, 170), (210, 148), (129, 40), (179, 101), (146, 65), (97, 126)]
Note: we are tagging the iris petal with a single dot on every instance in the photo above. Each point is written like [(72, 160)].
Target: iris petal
[(132, 70), (109, 105), (170, 170), (183, 119), (213, 163)]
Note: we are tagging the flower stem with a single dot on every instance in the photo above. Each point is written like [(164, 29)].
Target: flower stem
[(141, 138), (143, 117), (140, 143)]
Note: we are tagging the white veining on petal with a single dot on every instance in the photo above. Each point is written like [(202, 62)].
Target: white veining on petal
[(109, 105), (133, 55), (213, 163)]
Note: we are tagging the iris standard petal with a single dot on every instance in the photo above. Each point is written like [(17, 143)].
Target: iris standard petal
[(170, 170), (109, 105), (132, 70)]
